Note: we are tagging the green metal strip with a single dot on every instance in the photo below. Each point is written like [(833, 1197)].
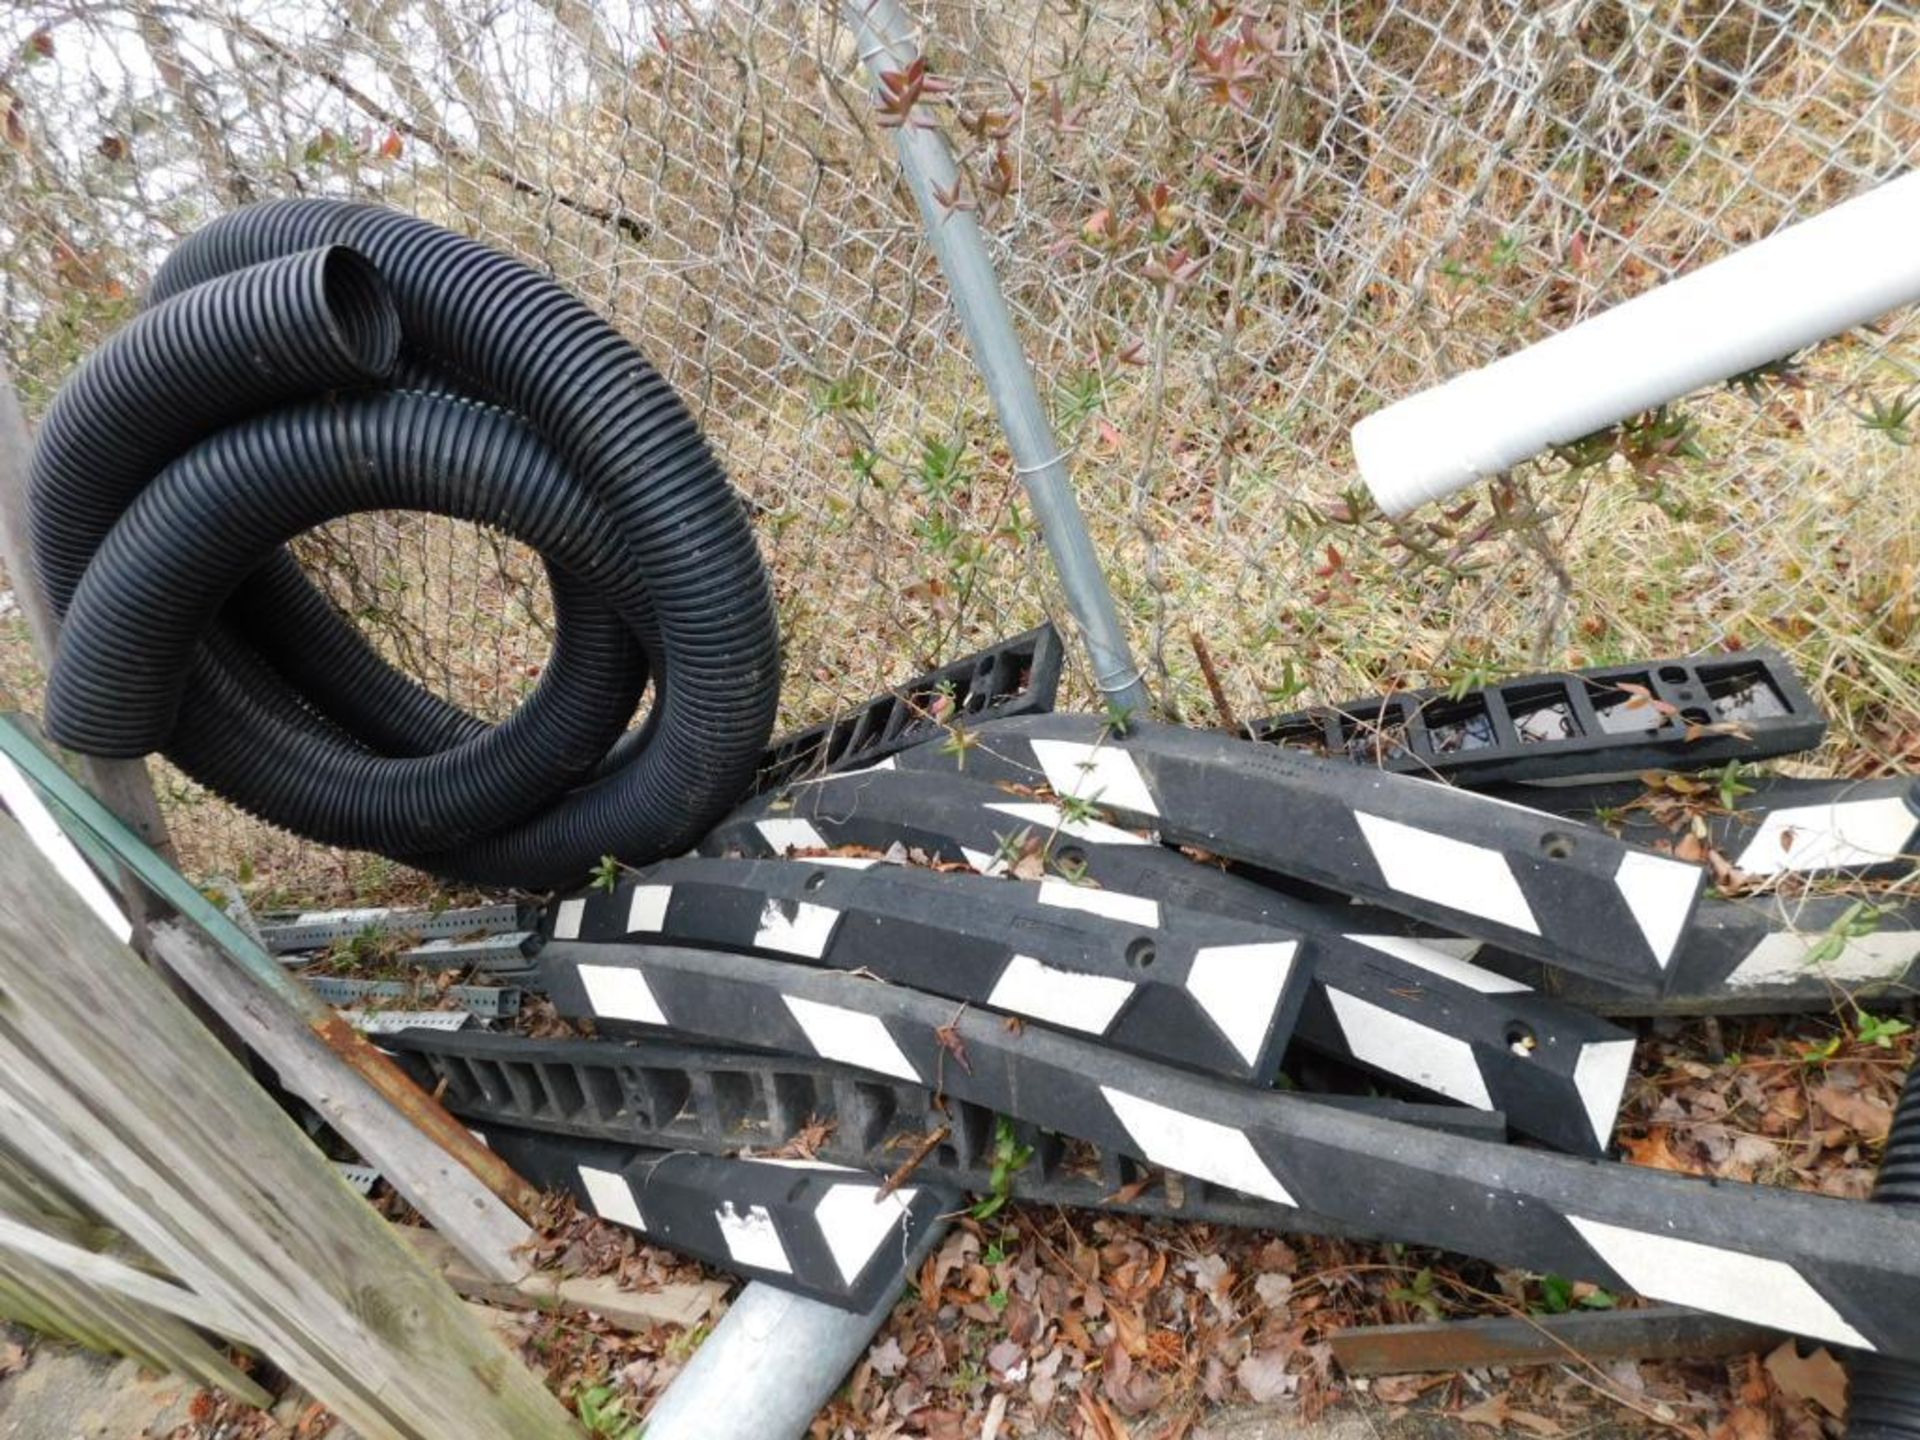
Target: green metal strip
[(98, 830)]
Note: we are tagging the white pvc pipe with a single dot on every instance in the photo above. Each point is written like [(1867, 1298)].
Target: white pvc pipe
[(1810, 281)]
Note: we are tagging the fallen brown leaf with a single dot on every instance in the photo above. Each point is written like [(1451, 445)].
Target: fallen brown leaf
[(1817, 1377), (1859, 1113), (1494, 1412), (1264, 1376)]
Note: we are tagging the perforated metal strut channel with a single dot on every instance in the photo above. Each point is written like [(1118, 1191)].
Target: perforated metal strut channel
[(1836, 1270), (1406, 1008), (315, 929), (1684, 714), (1580, 900), (718, 1101), (1196, 989), (817, 1229)]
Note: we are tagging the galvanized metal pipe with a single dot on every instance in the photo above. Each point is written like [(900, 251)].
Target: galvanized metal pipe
[(773, 1360), (886, 45)]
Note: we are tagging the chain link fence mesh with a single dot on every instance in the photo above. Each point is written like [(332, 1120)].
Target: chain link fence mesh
[(1226, 232)]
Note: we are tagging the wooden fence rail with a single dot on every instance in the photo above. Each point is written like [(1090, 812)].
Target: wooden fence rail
[(124, 1119)]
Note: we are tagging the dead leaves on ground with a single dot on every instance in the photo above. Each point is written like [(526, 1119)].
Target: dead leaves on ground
[(1791, 1105)]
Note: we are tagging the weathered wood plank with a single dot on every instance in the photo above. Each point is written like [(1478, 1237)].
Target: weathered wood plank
[(108, 1085), (103, 1272), (283, 1014), (46, 1298), (635, 1310)]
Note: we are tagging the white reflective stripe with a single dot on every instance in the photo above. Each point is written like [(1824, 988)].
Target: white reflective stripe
[(1600, 1075), (1428, 956), (1784, 957), (1050, 818), (1132, 909), (853, 1038), (1448, 872), (1843, 835), (751, 1238), (1726, 1282), (855, 1225), (1102, 774), (46, 836), (797, 1162), (611, 1197), (1203, 1148), (785, 835), (844, 862), (1660, 893), (647, 910), (1240, 987), (619, 992), (795, 928), (986, 864), (567, 916), (1416, 1052), (1060, 997)]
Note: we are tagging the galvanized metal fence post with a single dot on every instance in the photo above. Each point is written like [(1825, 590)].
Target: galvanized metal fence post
[(886, 45)]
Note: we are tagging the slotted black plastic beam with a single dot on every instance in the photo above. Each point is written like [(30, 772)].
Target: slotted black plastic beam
[(1840, 1271), (1193, 988), (1383, 997), (1578, 899), (1571, 723), (718, 1101), (815, 1229), (1020, 676)]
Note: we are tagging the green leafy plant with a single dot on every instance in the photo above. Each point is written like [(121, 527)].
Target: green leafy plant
[(1880, 1030), (604, 1415), (1010, 1157), (606, 875), (1558, 1295), (1859, 920), (1892, 418), (1730, 780), (1419, 1294)]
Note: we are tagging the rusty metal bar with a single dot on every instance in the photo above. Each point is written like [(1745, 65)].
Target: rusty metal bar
[(1659, 1332)]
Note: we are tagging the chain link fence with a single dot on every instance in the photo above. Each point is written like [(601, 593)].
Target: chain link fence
[(1226, 232)]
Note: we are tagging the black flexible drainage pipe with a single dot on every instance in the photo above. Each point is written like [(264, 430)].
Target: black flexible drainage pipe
[(1883, 1393), (305, 359)]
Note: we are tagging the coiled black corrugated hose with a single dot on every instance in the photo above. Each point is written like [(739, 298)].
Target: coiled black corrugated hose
[(1883, 1401), (303, 359)]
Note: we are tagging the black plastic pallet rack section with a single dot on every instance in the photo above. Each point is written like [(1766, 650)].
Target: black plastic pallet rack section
[(1580, 900), (816, 1229), (1206, 991), (710, 1100), (1836, 1270), (1403, 1006), (1685, 714), (1020, 676)]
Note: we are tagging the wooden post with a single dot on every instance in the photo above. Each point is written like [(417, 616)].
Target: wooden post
[(123, 784), (109, 1086)]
